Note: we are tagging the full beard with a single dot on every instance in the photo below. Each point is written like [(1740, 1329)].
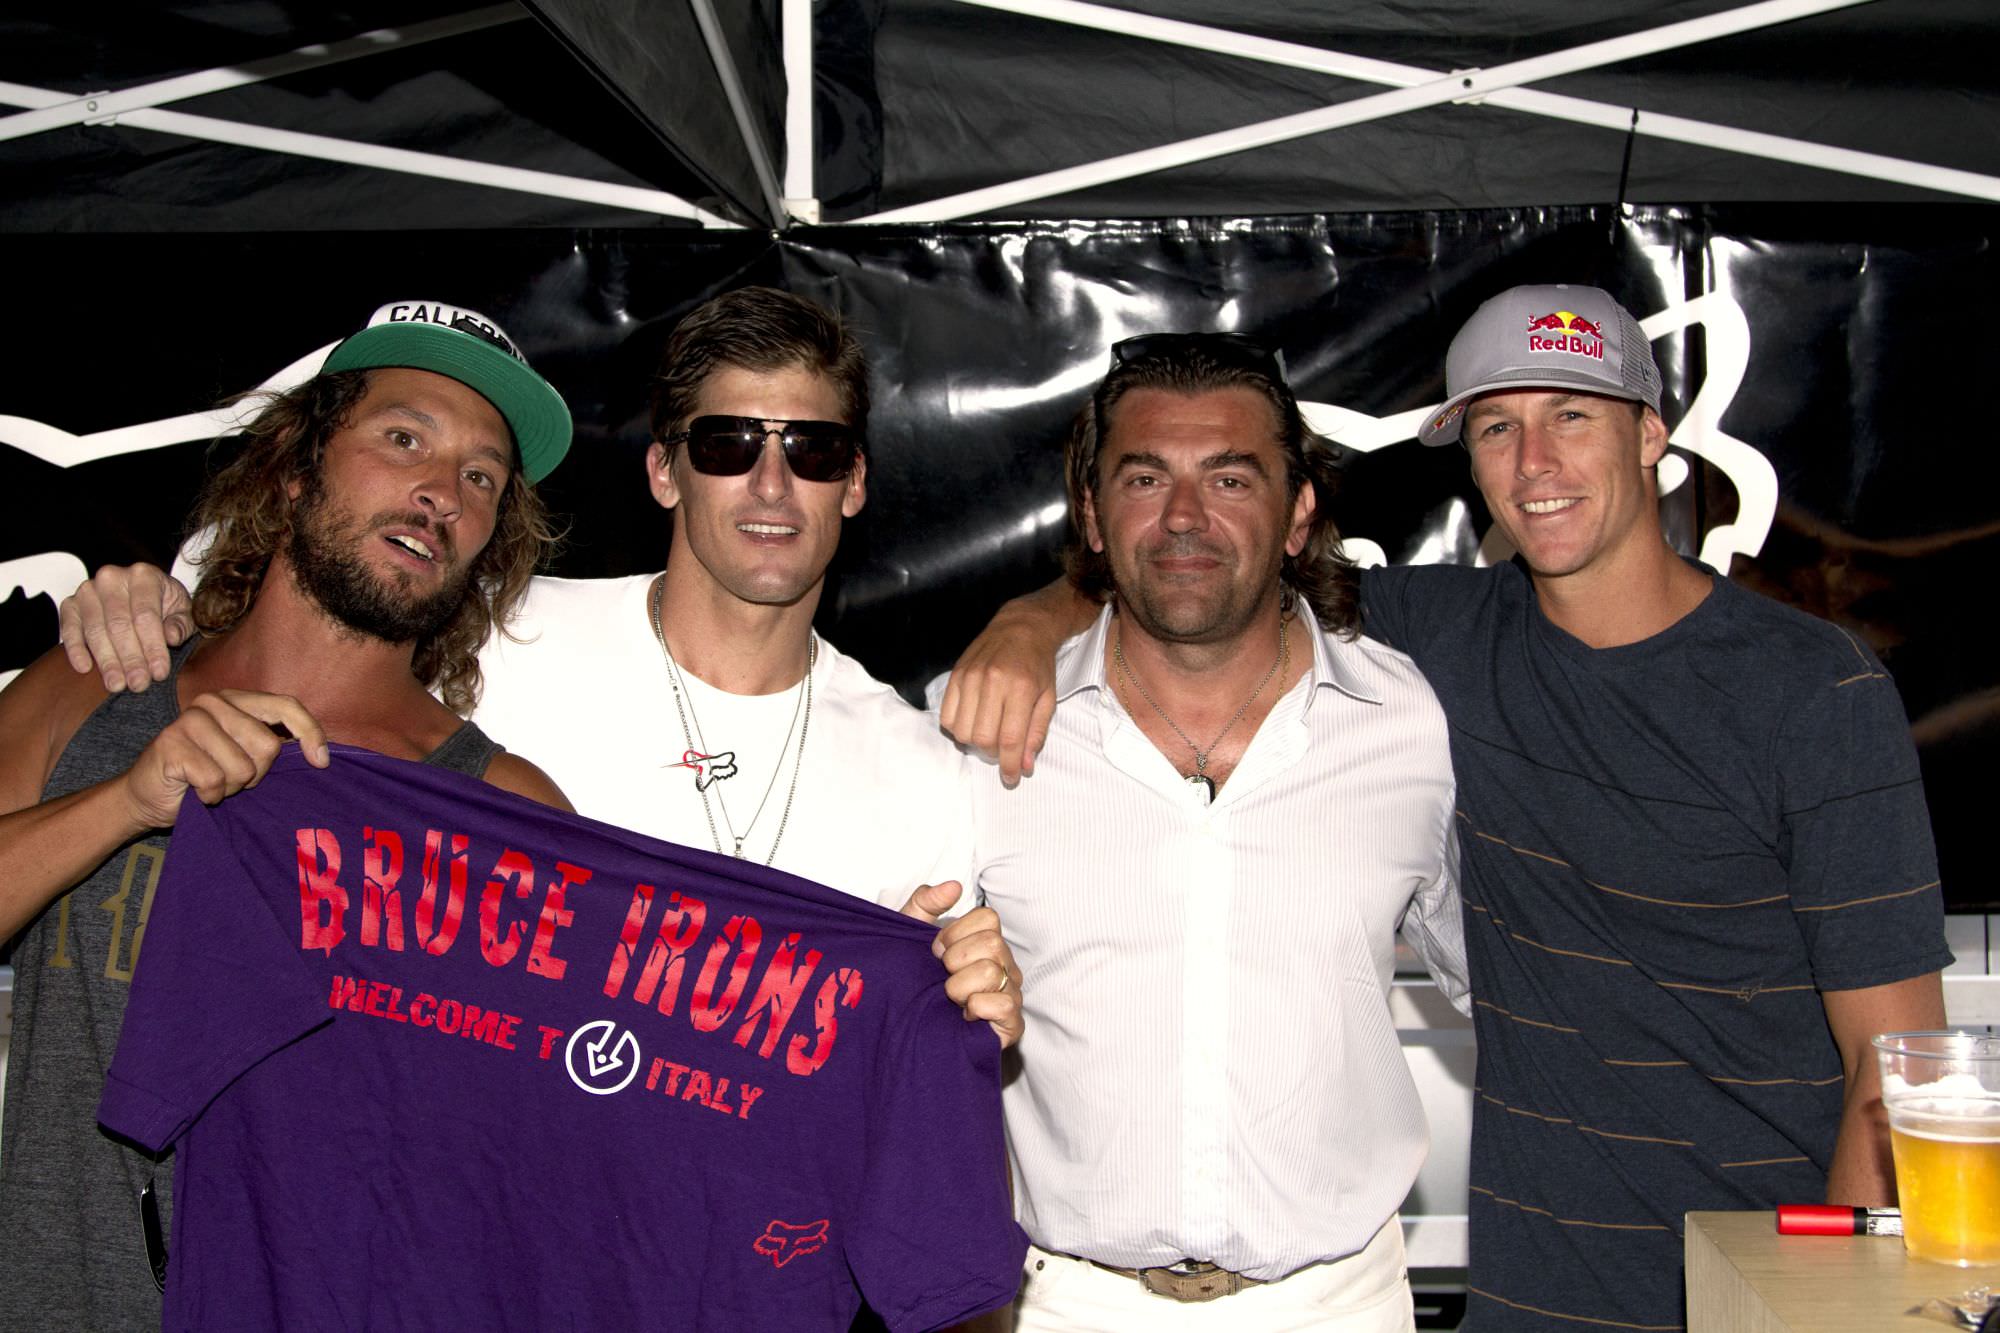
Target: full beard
[(323, 547)]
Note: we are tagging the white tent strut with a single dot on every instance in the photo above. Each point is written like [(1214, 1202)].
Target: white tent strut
[(137, 108), (739, 106), (103, 106), (1422, 88), (413, 163), (801, 192)]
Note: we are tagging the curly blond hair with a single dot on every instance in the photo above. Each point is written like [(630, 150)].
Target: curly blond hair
[(248, 505)]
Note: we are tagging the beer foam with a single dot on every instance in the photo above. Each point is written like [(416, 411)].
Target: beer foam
[(1956, 1108), (1952, 1087)]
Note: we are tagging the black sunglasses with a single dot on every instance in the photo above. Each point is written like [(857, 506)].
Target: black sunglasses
[(730, 446), (1239, 348)]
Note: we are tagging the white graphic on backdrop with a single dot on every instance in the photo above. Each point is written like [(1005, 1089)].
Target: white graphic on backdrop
[(53, 574), (54, 445), (1699, 433), (56, 573)]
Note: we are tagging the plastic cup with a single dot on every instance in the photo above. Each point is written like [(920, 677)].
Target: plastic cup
[(1942, 1091)]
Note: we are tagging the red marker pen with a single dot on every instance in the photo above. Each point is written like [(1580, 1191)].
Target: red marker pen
[(1825, 1219)]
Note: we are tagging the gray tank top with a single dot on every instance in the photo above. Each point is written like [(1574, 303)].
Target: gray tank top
[(72, 1248)]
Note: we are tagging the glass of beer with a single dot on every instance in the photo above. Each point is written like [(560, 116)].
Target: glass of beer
[(1942, 1091)]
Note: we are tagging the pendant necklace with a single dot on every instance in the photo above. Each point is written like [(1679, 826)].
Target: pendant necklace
[(707, 772), (1200, 778)]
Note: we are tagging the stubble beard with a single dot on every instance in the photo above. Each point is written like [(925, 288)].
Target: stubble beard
[(324, 549), (1220, 614)]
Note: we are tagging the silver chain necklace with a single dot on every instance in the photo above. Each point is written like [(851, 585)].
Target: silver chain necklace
[(1200, 778), (690, 736)]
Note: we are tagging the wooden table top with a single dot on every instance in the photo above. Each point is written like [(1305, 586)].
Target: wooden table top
[(1743, 1277)]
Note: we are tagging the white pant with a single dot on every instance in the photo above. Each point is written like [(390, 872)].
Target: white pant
[(1368, 1292)]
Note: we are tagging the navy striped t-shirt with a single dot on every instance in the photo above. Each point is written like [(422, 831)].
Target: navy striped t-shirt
[(1670, 849)]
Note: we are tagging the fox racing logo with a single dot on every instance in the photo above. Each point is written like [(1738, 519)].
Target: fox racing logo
[(708, 768), (782, 1242)]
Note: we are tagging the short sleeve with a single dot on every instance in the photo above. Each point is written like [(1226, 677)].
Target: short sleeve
[(1409, 607), (1382, 605), (1859, 857), (937, 1242), (1434, 924), (934, 693), (220, 986), (952, 812)]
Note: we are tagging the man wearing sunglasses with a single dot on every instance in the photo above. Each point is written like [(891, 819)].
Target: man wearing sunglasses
[(1213, 1126), (697, 704), (1698, 863)]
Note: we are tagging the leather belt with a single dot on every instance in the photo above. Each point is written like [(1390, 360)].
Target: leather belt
[(1187, 1281)]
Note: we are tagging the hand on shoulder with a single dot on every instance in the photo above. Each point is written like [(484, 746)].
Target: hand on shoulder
[(1002, 692), (122, 621)]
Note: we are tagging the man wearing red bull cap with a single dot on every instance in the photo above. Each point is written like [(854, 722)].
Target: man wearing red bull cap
[(1697, 863)]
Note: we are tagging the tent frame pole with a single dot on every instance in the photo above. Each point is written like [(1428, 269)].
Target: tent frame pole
[(99, 108), (139, 108), (433, 165), (1418, 88), (739, 108), (801, 200)]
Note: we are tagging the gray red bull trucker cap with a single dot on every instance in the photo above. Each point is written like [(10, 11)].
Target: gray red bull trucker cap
[(466, 346), (1545, 337)]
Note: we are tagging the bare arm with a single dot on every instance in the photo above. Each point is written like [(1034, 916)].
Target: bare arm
[(124, 619), (510, 772), (121, 622), (220, 744), (1003, 688), (1862, 1174)]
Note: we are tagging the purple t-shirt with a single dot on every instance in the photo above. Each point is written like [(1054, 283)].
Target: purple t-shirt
[(433, 1056)]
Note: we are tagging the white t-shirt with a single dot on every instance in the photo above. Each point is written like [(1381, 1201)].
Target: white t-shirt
[(881, 803)]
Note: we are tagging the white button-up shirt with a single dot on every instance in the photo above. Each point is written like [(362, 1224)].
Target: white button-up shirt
[(1210, 1070)]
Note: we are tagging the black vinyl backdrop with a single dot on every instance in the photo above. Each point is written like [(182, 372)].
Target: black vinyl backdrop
[(1847, 472)]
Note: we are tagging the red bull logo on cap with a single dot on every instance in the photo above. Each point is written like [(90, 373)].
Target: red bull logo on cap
[(1563, 331)]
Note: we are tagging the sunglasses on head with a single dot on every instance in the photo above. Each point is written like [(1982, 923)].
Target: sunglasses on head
[(1239, 348), (730, 446)]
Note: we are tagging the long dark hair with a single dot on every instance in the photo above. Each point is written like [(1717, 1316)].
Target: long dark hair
[(1195, 363)]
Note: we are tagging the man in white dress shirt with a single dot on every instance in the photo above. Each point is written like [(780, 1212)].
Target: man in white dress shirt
[(1239, 803)]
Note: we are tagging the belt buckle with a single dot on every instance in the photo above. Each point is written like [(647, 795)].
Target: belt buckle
[(1190, 1281)]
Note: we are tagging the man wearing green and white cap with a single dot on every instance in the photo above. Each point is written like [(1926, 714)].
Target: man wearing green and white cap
[(1696, 860), (413, 334), (377, 521)]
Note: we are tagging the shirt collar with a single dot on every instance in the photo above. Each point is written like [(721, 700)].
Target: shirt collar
[(1080, 665), (1333, 663)]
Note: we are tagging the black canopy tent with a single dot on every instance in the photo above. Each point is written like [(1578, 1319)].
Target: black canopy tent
[(262, 116), (198, 196)]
